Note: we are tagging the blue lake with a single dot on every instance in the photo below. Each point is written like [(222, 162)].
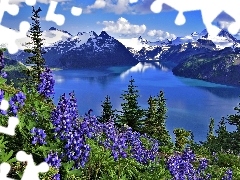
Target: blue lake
[(190, 102)]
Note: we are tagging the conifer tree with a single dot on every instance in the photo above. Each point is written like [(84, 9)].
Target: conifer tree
[(210, 134), (155, 123), (183, 138), (235, 118), (107, 111), (131, 113), (223, 140), (150, 116), (37, 60)]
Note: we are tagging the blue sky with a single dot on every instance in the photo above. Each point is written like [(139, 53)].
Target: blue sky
[(110, 15)]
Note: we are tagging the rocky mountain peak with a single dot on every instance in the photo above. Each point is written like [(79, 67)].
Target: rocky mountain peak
[(104, 35), (55, 29), (226, 34)]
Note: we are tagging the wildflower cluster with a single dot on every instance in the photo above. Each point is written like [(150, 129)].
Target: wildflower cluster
[(115, 141), (228, 175), (139, 151), (16, 102), (3, 74), (46, 85), (181, 167), (64, 118), (39, 136), (125, 143), (54, 160)]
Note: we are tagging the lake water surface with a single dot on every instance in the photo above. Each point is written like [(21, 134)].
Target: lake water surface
[(190, 102)]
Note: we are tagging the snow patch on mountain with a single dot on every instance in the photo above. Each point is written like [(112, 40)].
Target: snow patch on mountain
[(134, 43)]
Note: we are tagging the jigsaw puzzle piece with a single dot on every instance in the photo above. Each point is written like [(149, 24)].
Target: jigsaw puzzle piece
[(31, 171), (4, 170), (208, 13), (12, 9), (9, 36), (180, 6), (232, 9), (12, 121), (76, 11), (10, 129), (30, 2), (59, 19)]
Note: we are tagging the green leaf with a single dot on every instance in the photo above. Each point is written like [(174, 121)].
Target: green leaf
[(2, 80), (6, 156)]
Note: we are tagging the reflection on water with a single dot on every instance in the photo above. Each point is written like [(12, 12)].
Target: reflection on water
[(190, 102), (141, 67)]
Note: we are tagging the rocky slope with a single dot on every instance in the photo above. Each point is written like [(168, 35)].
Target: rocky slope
[(219, 67)]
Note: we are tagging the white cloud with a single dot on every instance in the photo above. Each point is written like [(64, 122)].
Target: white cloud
[(123, 26), (40, 1), (116, 6), (161, 35)]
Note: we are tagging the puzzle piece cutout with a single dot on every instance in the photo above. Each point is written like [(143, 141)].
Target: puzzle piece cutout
[(12, 121), (12, 9), (51, 16), (9, 36), (4, 170), (31, 171), (209, 14), (59, 19), (76, 11), (30, 2)]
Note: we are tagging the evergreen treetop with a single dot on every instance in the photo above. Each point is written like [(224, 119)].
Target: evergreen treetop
[(131, 113), (36, 49)]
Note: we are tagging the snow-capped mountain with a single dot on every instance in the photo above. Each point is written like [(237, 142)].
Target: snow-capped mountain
[(65, 50), (200, 42)]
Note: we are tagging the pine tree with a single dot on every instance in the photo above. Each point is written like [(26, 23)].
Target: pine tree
[(183, 138), (131, 113), (235, 118), (150, 116), (223, 140), (155, 123), (37, 60), (107, 112), (210, 134)]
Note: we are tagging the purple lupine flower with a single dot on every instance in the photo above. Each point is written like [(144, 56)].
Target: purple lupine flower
[(39, 136), (180, 166), (2, 74), (65, 120), (1, 98), (56, 177), (228, 175), (46, 85), (64, 117), (53, 160), (15, 102)]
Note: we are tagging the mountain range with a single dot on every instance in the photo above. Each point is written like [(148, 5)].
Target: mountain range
[(87, 49)]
